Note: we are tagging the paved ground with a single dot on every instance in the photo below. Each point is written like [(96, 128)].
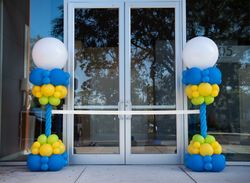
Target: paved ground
[(124, 174)]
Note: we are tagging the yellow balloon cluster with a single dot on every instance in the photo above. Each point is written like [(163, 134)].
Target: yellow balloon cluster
[(204, 147), (48, 146), (204, 92), (48, 93)]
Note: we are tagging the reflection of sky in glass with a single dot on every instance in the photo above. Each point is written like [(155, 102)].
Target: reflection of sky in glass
[(42, 12)]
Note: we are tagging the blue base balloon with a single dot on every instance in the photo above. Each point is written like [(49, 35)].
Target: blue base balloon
[(198, 163), (43, 163)]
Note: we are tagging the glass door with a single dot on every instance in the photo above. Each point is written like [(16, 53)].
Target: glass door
[(96, 39), (153, 67), (125, 61)]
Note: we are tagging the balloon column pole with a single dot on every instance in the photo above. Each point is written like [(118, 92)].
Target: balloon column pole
[(203, 120), (49, 88), (48, 115), (202, 79)]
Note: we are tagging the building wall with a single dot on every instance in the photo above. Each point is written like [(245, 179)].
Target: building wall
[(14, 20)]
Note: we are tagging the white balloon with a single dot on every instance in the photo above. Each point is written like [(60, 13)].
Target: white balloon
[(49, 53), (200, 52)]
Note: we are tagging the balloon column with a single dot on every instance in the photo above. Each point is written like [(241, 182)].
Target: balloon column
[(49, 86), (202, 79)]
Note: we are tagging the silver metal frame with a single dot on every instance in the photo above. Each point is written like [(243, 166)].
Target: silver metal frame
[(94, 158), (153, 158), (125, 98)]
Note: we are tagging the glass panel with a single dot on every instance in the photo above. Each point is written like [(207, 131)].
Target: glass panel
[(227, 23), (153, 56), (153, 134), (96, 134), (21, 119), (96, 57)]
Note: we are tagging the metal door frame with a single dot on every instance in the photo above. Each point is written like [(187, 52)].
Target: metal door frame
[(125, 157), (154, 158), (95, 158)]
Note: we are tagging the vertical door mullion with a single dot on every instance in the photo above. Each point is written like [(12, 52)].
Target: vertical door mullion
[(121, 81), (127, 79)]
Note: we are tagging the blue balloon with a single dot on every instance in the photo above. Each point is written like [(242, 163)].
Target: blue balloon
[(207, 159), (44, 167), (34, 162), (56, 162), (192, 76), (59, 77), (195, 76), (195, 163), (44, 159), (214, 75), (208, 166), (218, 162), (187, 156), (36, 76)]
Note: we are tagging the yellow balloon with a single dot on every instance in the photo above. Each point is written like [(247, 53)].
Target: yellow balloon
[(188, 91), (46, 150), (206, 150), (36, 91), (215, 93), (218, 150), (63, 91), (215, 144), (190, 149), (56, 151), (216, 87), (56, 144), (195, 94), (48, 90), (62, 148), (57, 94), (196, 144), (205, 89), (34, 150), (194, 87), (36, 144)]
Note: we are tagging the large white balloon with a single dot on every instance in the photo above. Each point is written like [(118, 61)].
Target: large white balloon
[(49, 53), (200, 52)]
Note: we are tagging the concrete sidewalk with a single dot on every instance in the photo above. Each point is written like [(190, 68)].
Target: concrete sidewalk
[(124, 174)]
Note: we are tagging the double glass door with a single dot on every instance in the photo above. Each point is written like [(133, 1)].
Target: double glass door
[(125, 63)]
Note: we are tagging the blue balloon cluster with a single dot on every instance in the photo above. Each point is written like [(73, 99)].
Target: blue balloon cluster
[(198, 163), (55, 77), (196, 76), (44, 163)]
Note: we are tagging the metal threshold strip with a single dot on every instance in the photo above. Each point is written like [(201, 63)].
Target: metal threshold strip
[(106, 112)]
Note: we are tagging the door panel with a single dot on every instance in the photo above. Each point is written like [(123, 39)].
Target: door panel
[(95, 43), (151, 80)]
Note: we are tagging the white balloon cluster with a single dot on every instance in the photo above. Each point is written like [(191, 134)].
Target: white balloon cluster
[(49, 53), (200, 52)]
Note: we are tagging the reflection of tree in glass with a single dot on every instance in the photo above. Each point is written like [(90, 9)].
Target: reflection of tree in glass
[(96, 47), (227, 23), (96, 52), (153, 56)]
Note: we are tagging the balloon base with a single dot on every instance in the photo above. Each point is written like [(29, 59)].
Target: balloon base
[(44, 163), (198, 163)]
